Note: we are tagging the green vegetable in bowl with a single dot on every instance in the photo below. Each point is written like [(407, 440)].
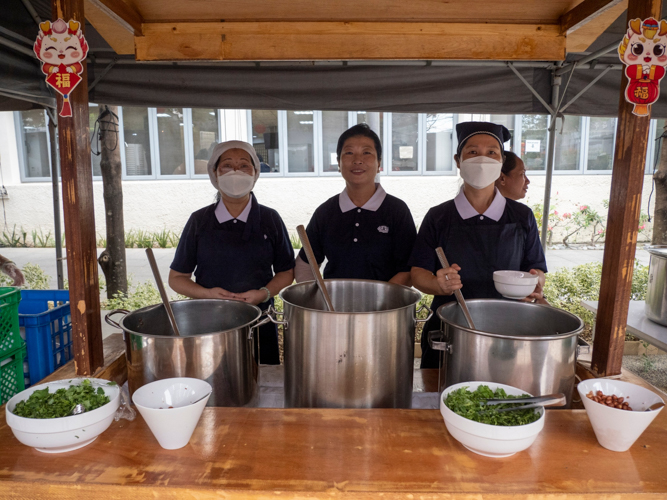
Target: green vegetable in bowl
[(42, 404), (471, 406)]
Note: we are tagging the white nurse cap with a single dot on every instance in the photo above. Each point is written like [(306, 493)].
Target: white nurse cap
[(220, 149)]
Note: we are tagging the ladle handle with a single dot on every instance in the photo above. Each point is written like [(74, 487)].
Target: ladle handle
[(313, 266), (457, 293), (163, 292)]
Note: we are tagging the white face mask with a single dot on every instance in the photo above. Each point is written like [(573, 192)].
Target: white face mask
[(236, 184), (480, 171)]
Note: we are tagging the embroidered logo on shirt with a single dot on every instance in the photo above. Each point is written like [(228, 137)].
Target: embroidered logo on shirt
[(383, 229)]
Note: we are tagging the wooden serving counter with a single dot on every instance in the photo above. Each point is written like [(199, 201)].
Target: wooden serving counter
[(287, 453)]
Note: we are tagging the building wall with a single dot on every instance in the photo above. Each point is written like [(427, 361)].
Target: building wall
[(153, 205)]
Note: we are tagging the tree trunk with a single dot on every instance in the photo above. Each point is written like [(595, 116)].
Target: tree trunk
[(112, 260), (660, 214)]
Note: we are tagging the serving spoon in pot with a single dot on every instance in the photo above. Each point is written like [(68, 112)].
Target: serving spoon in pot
[(163, 292), (314, 267)]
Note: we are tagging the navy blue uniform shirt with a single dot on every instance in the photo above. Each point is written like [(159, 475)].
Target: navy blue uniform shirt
[(234, 255), (362, 243)]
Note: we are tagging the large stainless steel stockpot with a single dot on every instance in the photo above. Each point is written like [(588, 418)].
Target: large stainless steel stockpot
[(656, 292), (216, 345), (529, 346), (360, 356)]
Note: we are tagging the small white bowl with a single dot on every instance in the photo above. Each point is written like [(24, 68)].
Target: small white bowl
[(57, 435), (171, 410), (485, 439), (617, 430), (514, 284)]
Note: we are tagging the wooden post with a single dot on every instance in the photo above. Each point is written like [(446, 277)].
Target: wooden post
[(77, 181), (624, 207)]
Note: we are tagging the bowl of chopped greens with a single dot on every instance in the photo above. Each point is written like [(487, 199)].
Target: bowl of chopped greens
[(482, 428), (41, 415)]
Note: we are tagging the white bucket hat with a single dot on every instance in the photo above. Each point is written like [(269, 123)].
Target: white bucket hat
[(220, 149)]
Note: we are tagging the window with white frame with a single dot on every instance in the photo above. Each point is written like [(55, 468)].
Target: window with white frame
[(34, 138), (568, 144), (136, 141), (265, 138), (534, 141), (439, 142), (404, 142), (601, 132), (205, 135), (334, 123), (171, 141), (300, 142)]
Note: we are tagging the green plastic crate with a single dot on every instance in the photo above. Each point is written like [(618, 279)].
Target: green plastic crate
[(11, 375), (10, 336)]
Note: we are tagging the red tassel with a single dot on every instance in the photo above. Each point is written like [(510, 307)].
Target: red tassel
[(66, 109)]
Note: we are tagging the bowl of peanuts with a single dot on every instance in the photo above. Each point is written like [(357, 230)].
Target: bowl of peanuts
[(617, 411)]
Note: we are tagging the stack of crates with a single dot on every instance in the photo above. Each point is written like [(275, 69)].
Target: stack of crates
[(12, 347), (46, 324)]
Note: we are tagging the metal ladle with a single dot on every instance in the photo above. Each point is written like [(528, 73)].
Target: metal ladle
[(163, 292), (457, 293), (314, 267)]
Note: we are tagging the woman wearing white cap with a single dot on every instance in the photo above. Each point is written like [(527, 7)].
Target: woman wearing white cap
[(235, 245)]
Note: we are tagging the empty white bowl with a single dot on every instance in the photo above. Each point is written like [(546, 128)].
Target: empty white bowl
[(171, 410), (617, 430), (485, 439), (514, 284), (57, 435)]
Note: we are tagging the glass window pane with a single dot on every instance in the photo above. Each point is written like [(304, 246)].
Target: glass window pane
[(35, 142), (568, 144), (137, 141), (534, 141), (375, 122), (334, 123), (508, 121), (265, 139), (658, 145), (170, 134), (404, 142), (300, 141), (439, 152), (205, 136), (601, 143), (93, 114)]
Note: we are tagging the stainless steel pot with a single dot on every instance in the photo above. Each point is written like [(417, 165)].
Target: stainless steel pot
[(216, 345), (529, 346), (360, 356), (656, 293)]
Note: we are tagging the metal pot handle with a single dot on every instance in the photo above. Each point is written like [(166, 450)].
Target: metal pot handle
[(430, 314), (435, 341), (111, 322), (261, 322), (273, 315)]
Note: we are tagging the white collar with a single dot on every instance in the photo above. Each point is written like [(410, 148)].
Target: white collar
[(466, 210), (346, 204), (223, 215)]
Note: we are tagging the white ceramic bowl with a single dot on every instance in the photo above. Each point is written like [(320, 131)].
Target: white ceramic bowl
[(171, 410), (514, 284), (485, 439), (56, 435), (617, 430)]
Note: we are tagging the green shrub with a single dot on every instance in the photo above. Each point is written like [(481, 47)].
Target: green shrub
[(144, 239), (566, 288), (130, 238), (162, 238), (35, 277), (17, 238), (296, 241)]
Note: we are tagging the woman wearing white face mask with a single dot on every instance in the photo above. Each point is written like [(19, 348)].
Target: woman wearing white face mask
[(479, 230), (235, 245)]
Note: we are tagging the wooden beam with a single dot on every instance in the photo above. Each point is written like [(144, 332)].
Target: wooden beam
[(115, 34), (621, 239), (583, 13), (266, 41), (121, 13), (77, 182), (583, 37)]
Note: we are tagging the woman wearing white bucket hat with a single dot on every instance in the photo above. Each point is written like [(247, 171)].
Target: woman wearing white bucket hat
[(235, 245)]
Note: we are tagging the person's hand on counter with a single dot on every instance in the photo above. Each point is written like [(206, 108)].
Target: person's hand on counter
[(253, 297)]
